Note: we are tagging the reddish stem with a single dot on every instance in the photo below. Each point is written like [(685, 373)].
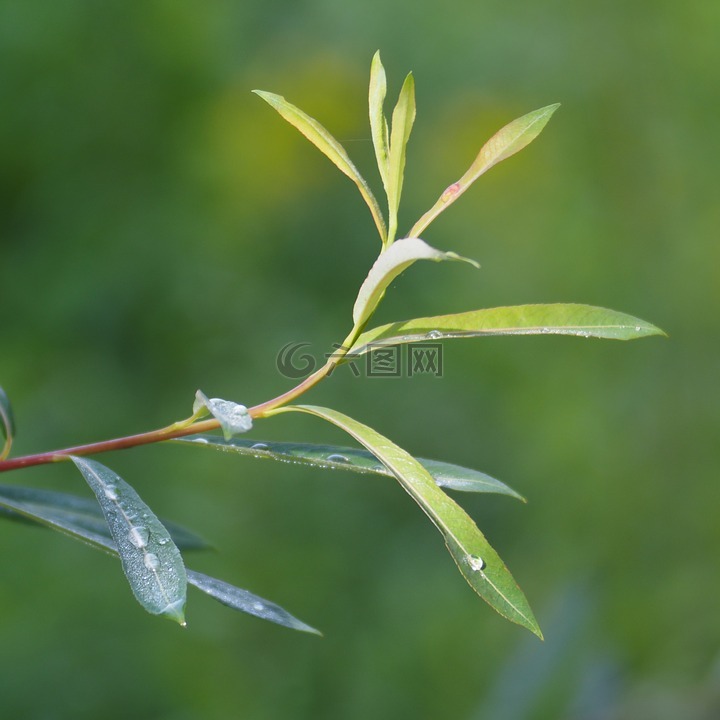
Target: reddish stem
[(167, 433), (107, 445)]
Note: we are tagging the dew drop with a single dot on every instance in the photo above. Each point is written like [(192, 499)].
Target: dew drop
[(337, 458), (476, 563), (233, 417), (163, 540), (139, 536), (201, 441), (259, 446), (151, 560), (434, 335), (110, 492), (258, 606)]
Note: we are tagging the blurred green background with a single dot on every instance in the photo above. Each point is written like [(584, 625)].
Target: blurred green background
[(161, 229)]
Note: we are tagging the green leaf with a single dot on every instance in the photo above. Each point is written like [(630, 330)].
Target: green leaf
[(247, 602), (506, 142), (7, 424), (15, 507), (391, 262), (330, 147), (39, 512), (336, 457), (478, 562), (150, 559), (80, 512), (402, 122), (554, 319), (233, 418), (378, 122)]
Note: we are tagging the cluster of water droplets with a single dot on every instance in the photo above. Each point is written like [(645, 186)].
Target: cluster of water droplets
[(138, 535), (233, 417)]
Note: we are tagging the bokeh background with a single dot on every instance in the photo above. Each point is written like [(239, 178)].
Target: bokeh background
[(162, 230)]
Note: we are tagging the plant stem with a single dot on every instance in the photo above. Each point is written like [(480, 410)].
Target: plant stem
[(107, 445), (178, 429)]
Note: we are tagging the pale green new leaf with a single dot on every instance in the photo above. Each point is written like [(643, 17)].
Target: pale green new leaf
[(553, 319), (478, 562), (402, 121), (391, 262), (506, 142), (150, 559), (85, 513), (7, 424), (330, 147), (233, 417), (378, 122), (38, 511), (335, 457)]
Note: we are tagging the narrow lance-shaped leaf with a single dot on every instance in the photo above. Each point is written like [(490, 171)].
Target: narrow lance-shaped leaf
[(247, 602), (478, 562), (15, 507), (553, 319), (330, 147), (335, 457), (402, 121), (391, 262), (150, 559), (378, 123), (7, 424), (82, 512), (506, 142), (41, 513)]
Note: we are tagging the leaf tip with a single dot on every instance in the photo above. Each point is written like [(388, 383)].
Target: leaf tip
[(175, 611), (455, 256), (658, 331), (303, 627), (268, 97), (644, 329)]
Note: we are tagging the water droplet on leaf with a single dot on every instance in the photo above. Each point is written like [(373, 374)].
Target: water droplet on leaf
[(151, 560), (476, 563), (434, 335), (139, 536), (337, 458), (259, 446)]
